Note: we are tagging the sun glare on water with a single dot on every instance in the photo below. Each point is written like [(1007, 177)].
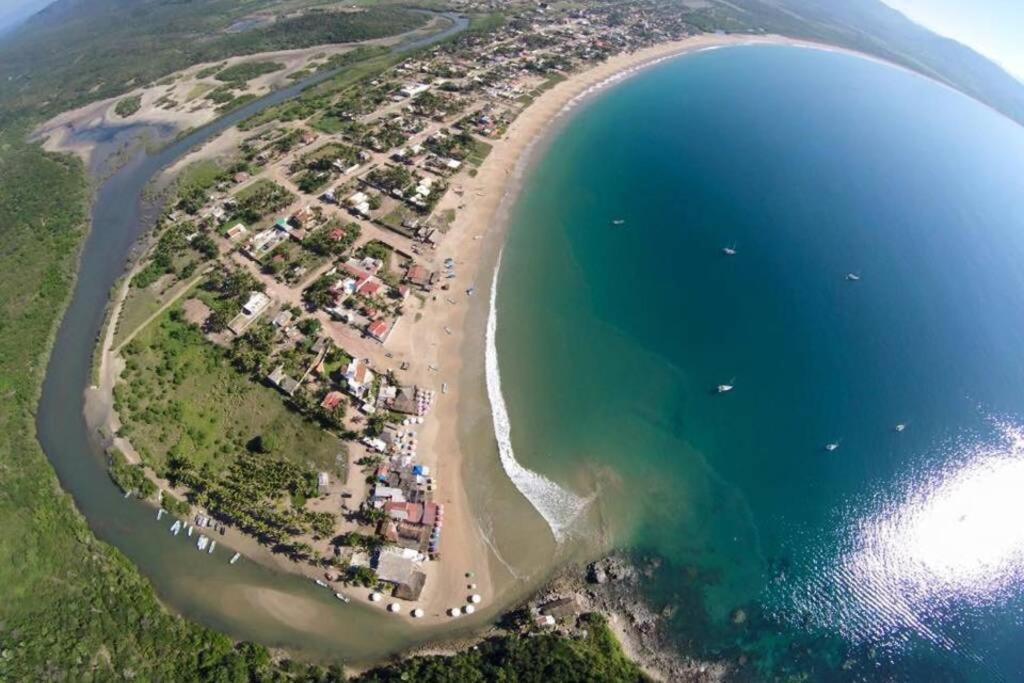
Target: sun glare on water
[(949, 539)]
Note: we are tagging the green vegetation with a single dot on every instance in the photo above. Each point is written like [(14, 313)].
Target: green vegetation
[(73, 607), (545, 657), (260, 198), (128, 106), (129, 477), (61, 58), (246, 71), (182, 398)]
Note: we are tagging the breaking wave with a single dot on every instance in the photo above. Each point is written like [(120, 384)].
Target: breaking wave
[(558, 506)]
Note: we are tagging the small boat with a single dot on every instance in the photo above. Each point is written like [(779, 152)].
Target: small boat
[(213, 544), (831, 446), (127, 493), (160, 513), (202, 542), (176, 527), (321, 583), (724, 388), (900, 427), (189, 531), (619, 221), (444, 388), (729, 251), (852, 277), (234, 558), (343, 598)]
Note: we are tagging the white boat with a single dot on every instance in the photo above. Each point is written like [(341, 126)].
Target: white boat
[(444, 388), (853, 277), (160, 513), (619, 221), (213, 544), (234, 558), (202, 542), (189, 531), (729, 251), (321, 583), (724, 388), (176, 527), (343, 598), (831, 446), (127, 493), (900, 427)]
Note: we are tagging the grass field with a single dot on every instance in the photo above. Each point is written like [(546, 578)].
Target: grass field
[(181, 395)]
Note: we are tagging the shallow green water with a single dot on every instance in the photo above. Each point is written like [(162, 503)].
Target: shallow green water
[(898, 553)]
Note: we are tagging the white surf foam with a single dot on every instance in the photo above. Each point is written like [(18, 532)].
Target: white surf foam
[(558, 506)]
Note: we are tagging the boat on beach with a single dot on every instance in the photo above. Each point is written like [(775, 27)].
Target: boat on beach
[(321, 583), (343, 598)]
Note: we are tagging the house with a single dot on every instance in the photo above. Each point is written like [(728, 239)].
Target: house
[(379, 330), (251, 310), (404, 511), (405, 401), (418, 276), (282, 319), (256, 304), (359, 377), (323, 480), (413, 89), (400, 567), (264, 242), (282, 381), (332, 400), (237, 232), (370, 286)]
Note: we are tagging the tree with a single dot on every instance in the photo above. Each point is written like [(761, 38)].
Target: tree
[(309, 326)]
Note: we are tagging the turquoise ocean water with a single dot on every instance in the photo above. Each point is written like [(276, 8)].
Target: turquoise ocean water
[(898, 555)]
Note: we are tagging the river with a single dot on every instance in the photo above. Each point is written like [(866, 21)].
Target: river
[(245, 600)]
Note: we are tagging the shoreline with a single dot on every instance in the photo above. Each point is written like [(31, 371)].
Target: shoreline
[(474, 241)]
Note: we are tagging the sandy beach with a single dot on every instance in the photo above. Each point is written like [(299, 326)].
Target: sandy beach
[(446, 334)]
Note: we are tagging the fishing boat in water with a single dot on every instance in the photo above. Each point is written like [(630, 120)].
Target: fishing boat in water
[(213, 544), (619, 221), (724, 388), (343, 598), (234, 558), (900, 427), (852, 277), (321, 583), (202, 542), (729, 251), (176, 527), (831, 446)]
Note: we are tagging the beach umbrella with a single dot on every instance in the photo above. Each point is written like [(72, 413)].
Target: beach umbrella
[(475, 599), (455, 612), (394, 607), (417, 613), (469, 609), (375, 596)]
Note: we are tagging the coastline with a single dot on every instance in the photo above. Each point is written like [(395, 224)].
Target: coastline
[(474, 241)]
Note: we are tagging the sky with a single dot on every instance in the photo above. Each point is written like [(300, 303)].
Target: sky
[(995, 28), (13, 11)]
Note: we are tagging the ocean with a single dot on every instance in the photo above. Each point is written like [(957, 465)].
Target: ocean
[(877, 220)]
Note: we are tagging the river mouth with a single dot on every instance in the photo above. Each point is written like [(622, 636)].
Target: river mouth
[(246, 600)]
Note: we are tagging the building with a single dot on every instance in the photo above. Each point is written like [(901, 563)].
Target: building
[(413, 89), (379, 329), (418, 276), (332, 400), (359, 377)]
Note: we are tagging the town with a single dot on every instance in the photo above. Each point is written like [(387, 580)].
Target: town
[(302, 265)]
